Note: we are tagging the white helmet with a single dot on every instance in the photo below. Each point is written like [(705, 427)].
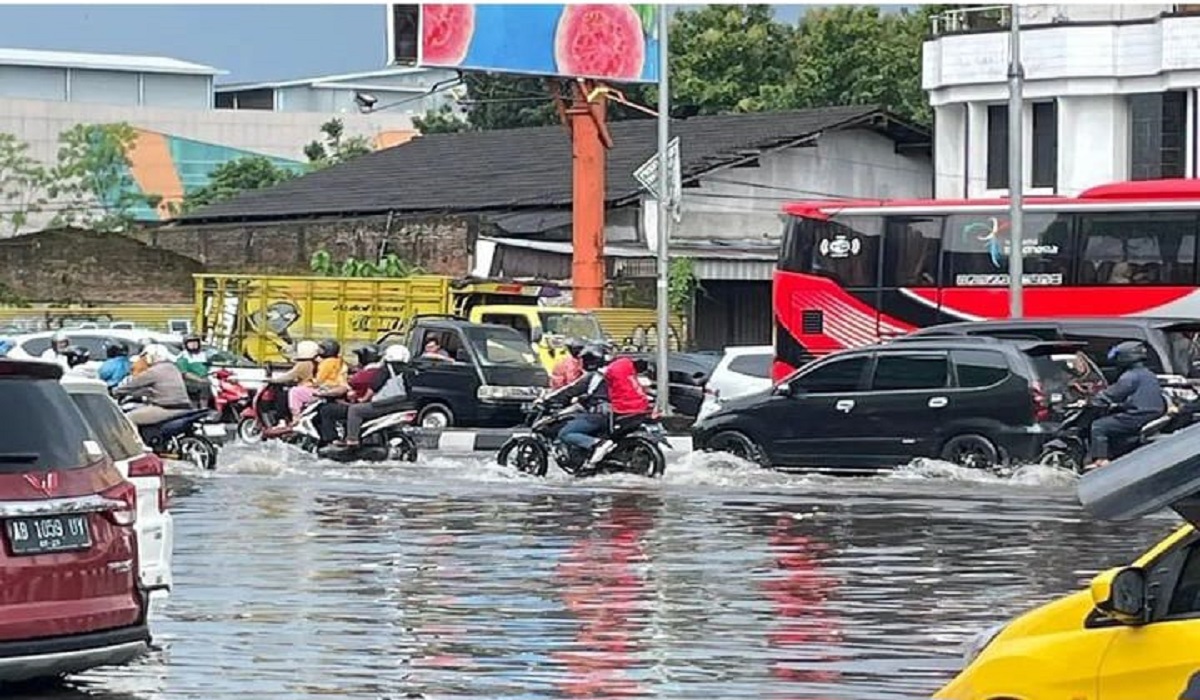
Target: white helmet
[(397, 353), (155, 353), (307, 350)]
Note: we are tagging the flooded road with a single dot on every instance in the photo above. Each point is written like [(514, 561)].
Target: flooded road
[(455, 579)]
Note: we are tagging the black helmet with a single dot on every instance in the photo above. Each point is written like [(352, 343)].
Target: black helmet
[(329, 348), (76, 355), (592, 357), (574, 346), (367, 355), (112, 350), (1128, 353)]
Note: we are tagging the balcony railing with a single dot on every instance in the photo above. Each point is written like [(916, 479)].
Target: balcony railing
[(971, 19), (993, 18)]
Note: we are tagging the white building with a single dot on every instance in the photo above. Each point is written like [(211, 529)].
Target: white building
[(1110, 94), (408, 91)]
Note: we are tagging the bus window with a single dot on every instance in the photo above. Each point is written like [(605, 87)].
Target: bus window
[(975, 250), (844, 249), (1138, 248), (910, 251)]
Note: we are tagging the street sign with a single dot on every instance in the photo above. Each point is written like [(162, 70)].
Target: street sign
[(647, 174)]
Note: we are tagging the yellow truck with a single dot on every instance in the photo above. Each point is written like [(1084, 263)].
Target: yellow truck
[(262, 317)]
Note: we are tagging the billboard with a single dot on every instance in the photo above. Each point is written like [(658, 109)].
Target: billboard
[(615, 42)]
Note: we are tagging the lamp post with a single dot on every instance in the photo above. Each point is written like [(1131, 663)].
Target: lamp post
[(1016, 234)]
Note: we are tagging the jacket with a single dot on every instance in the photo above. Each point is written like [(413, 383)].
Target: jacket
[(301, 373), (1137, 393), (114, 369), (620, 380), (161, 384)]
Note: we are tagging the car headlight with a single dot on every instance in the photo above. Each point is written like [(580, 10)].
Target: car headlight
[(974, 646)]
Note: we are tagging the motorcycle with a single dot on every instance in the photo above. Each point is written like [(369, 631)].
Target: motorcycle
[(636, 440), (387, 438), (1069, 447), (182, 438), (230, 397)]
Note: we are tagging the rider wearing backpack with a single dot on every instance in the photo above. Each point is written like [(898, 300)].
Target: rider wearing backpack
[(388, 395)]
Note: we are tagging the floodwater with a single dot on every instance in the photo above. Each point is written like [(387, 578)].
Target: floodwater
[(453, 578)]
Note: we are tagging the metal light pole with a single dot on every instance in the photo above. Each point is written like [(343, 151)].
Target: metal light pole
[(664, 211), (1016, 233)]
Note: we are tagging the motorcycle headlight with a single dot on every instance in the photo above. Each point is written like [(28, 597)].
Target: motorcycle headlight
[(974, 646)]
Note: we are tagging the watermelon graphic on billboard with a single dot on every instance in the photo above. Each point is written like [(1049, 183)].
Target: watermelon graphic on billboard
[(615, 42)]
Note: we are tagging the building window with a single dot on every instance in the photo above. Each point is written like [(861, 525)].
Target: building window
[(1157, 135), (1045, 146)]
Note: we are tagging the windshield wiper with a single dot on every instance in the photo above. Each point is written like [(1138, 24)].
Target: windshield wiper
[(19, 457)]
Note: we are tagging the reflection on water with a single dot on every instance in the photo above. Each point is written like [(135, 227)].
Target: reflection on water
[(456, 579)]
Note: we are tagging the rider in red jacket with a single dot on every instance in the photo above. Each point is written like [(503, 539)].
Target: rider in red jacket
[(622, 395)]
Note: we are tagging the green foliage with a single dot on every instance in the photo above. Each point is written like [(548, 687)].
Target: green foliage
[(392, 266), (235, 176), (91, 182), (336, 148), (681, 285), (442, 121), (23, 182)]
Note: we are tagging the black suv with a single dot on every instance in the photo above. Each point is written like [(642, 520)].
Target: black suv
[(978, 402), (1174, 343)]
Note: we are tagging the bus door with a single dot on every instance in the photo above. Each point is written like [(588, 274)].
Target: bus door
[(910, 293)]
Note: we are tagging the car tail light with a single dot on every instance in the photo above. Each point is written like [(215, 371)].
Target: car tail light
[(126, 494), (1041, 405), (151, 465)]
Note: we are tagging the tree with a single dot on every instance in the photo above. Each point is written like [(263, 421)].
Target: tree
[(235, 176), (23, 182), (336, 148), (91, 182), (441, 121)]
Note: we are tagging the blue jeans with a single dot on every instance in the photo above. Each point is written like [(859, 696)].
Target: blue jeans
[(581, 431)]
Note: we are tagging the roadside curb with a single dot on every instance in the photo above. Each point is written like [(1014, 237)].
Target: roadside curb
[(461, 441)]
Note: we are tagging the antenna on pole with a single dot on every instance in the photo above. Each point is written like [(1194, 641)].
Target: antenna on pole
[(1016, 170)]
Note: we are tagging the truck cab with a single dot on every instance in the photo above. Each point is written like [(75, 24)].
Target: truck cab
[(470, 374), (546, 328)]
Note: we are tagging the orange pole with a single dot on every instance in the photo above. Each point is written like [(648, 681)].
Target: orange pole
[(588, 144)]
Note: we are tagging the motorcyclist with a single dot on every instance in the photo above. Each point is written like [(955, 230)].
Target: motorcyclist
[(301, 374), (75, 357), (330, 375), (116, 366), (57, 350), (360, 387), (193, 364), (569, 368), (1136, 397), (388, 395), (613, 387), (160, 385)]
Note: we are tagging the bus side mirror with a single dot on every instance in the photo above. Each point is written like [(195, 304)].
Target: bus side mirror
[(1121, 594)]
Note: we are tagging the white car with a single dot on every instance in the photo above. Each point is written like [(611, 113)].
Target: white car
[(30, 346), (155, 526), (742, 370)]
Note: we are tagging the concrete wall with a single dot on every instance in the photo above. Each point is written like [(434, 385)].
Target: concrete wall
[(82, 266), (745, 203), (441, 245)]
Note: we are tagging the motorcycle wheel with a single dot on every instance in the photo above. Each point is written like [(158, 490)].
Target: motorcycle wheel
[(1060, 460), (249, 430), (402, 448), (526, 455), (639, 456), (197, 450)]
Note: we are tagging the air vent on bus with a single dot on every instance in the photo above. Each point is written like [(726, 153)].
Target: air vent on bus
[(812, 322)]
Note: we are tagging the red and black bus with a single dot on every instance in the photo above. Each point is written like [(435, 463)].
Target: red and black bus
[(854, 272)]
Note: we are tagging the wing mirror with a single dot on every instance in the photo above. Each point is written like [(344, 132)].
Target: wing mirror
[(783, 389), (1120, 594)]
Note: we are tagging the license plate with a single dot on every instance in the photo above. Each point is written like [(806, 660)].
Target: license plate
[(214, 430), (51, 533)]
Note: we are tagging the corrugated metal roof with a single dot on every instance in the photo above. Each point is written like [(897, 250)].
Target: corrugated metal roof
[(103, 61)]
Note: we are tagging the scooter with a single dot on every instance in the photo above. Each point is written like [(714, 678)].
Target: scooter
[(182, 438), (230, 397), (1069, 447), (635, 443), (387, 438)]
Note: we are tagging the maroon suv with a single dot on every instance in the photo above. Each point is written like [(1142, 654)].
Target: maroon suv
[(69, 592)]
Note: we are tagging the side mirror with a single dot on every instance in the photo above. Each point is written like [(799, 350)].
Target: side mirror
[(783, 389), (1120, 594)]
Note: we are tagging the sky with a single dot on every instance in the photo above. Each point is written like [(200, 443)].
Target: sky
[(251, 42)]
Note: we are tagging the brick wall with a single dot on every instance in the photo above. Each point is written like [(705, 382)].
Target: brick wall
[(441, 245), (84, 266)]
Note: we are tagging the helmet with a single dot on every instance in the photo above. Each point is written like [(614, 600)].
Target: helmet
[(76, 355), (397, 353), (307, 350), (593, 358), (190, 337), (59, 338), (367, 354), (575, 346), (329, 348), (155, 353), (112, 349), (1128, 353)]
